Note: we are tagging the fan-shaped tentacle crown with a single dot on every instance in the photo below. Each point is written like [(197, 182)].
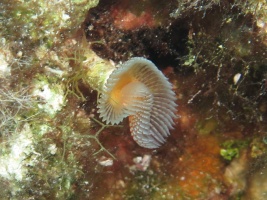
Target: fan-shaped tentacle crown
[(139, 90)]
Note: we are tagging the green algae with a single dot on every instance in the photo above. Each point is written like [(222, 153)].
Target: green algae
[(144, 186), (48, 165), (208, 126), (258, 147), (231, 148)]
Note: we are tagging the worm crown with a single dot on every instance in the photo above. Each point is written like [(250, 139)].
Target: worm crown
[(139, 90)]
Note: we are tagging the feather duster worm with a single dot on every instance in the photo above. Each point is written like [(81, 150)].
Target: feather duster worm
[(139, 90)]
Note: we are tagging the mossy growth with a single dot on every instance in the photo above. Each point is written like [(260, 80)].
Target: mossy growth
[(50, 173), (44, 150), (258, 147), (143, 186), (231, 148), (218, 55), (86, 71), (17, 107), (44, 22), (207, 126), (53, 157)]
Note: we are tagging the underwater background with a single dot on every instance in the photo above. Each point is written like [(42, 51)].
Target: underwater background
[(55, 57)]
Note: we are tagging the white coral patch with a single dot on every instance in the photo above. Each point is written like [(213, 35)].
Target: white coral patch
[(13, 162), (5, 57), (53, 98)]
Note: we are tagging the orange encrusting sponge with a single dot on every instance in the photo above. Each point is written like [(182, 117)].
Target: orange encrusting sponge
[(139, 90)]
